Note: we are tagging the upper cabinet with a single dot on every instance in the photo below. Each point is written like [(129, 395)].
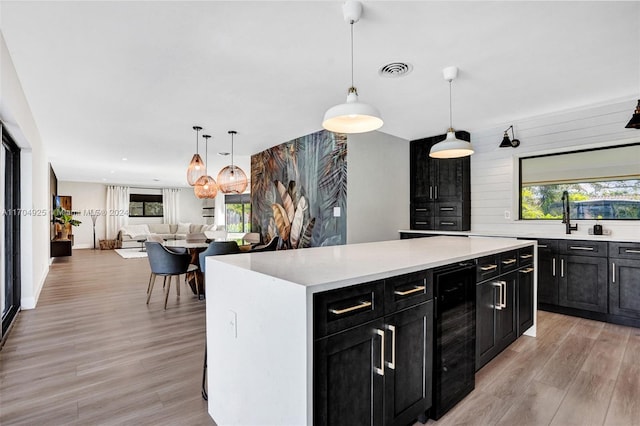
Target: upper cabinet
[(440, 188)]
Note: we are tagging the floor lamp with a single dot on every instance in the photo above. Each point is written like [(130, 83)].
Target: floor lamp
[(94, 218)]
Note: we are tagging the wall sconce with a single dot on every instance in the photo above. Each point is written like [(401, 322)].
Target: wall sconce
[(634, 123), (509, 143)]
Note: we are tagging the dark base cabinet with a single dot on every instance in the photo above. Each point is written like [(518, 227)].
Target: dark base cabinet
[(347, 389), (524, 296), (547, 271), (583, 283), (60, 248), (624, 287)]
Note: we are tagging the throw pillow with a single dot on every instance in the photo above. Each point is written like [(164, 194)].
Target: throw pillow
[(183, 228)]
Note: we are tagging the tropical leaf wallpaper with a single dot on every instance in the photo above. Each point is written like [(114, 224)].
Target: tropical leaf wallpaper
[(295, 187)]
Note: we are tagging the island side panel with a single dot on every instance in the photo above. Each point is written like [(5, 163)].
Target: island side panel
[(257, 375)]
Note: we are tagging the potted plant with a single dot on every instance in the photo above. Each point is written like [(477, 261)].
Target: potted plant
[(65, 219)]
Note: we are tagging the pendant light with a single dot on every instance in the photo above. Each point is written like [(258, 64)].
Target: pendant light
[(205, 186), (451, 147), (231, 179), (352, 116), (196, 167), (634, 123)]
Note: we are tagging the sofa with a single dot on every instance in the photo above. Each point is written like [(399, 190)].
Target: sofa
[(132, 233)]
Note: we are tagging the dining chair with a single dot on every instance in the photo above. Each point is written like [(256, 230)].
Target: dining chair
[(270, 246), (167, 263)]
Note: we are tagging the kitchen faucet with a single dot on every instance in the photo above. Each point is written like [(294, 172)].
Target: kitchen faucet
[(566, 216)]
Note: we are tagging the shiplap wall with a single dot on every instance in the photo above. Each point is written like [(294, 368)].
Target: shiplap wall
[(494, 170)]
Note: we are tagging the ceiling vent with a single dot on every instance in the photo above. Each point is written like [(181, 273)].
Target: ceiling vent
[(395, 69)]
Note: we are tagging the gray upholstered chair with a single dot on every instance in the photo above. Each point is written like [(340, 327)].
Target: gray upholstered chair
[(166, 263), (217, 248)]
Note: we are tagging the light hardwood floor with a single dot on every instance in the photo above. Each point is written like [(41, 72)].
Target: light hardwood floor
[(93, 353)]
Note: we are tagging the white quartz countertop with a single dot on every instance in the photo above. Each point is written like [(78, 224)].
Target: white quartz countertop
[(337, 266), (531, 235)]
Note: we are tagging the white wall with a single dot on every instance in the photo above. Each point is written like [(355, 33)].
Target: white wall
[(86, 197), (494, 174), (16, 114), (377, 187)]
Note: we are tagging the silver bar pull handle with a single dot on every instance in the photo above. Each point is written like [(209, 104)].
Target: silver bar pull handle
[(632, 251), (488, 267), (542, 246), (526, 270), (436, 192), (498, 306), (581, 248), (430, 192), (415, 289), (561, 268), (363, 304), (553, 272), (504, 294), (509, 261), (446, 209), (613, 272), (526, 256), (447, 223), (392, 364), (380, 371), (421, 223), (421, 210)]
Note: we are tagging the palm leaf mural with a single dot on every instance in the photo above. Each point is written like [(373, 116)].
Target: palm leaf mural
[(306, 179)]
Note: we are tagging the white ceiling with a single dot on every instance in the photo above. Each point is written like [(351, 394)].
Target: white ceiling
[(107, 80)]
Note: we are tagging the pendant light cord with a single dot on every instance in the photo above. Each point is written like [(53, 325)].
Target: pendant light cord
[(450, 109), (352, 53)]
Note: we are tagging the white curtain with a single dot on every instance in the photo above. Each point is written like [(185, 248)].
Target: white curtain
[(170, 205), (117, 209)]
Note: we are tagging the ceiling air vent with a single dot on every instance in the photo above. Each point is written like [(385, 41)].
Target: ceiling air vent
[(395, 69)]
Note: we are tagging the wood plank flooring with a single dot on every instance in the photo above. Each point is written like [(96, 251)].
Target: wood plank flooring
[(93, 353)]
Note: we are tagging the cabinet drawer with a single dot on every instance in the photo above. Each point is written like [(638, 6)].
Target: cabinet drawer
[(584, 248), (448, 209), (624, 250), (448, 223), (525, 256), (407, 290), (508, 261), (422, 223), (422, 210), (339, 309), (488, 267)]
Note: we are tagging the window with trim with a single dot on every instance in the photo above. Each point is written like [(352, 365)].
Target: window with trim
[(145, 205), (238, 212), (602, 183)]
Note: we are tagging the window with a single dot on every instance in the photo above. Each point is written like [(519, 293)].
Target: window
[(145, 205), (602, 183), (238, 212)]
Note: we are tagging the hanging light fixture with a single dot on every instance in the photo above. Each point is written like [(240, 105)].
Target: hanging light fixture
[(451, 147), (196, 167), (352, 116), (507, 142), (205, 186), (634, 123), (231, 179)]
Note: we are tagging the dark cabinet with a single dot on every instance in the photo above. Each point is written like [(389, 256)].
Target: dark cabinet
[(439, 188), (624, 279), (348, 382), (547, 277), (407, 376), (583, 275), (496, 312), (60, 248), (524, 293), (373, 352)]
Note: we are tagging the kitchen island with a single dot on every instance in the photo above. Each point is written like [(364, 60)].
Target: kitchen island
[(260, 319)]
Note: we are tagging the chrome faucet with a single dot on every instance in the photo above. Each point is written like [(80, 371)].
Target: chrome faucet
[(566, 216)]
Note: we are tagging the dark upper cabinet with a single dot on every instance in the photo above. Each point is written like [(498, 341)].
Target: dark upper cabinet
[(440, 188)]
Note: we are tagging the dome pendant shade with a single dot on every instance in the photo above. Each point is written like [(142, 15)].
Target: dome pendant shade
[(205, 187), (195, 170), (352, 116), (232, 180), (451, 147), (634, 123)]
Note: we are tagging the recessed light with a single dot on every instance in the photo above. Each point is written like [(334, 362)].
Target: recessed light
[(112, 171), (124, 158), (224, 154), (156, 180)]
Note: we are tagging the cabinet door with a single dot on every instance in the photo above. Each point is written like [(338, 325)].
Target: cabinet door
[(421, 186), (624, 288), (525, 299), (348, 385), (506, 324), (547, 272), (448, 179), (486, 300), (583, 283), (408, 362)]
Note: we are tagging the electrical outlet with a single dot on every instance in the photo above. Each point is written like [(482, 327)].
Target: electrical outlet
[(507, 214)]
